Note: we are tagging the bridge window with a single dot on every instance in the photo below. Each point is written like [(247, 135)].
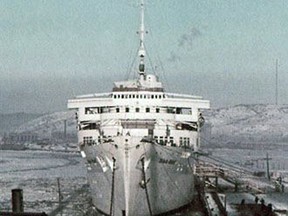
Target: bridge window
[(117, 110), (91, 110), (127, 109), (88, 126), (147, 109), (137, 109), (157, 110)]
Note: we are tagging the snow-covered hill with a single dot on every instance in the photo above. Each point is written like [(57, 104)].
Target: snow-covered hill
[(49, 124), (241, 123), (255, 123)]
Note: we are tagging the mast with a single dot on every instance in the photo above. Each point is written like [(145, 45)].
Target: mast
[(142, 51), (276, 83)]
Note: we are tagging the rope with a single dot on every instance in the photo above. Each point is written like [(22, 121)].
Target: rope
[(145, 186), (130, 68), (112, 188)]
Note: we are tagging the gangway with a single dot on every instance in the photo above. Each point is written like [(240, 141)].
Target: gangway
[(236, 175)]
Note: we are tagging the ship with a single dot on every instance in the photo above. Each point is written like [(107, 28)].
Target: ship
[(140, 143)]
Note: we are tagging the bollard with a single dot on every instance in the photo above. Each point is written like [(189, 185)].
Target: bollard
[(17, 201)]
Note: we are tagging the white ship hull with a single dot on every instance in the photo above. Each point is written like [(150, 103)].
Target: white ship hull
[(168, 173), (138, 141)]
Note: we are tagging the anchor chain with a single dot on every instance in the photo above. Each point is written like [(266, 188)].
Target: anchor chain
[(145, 186), (112, 187)]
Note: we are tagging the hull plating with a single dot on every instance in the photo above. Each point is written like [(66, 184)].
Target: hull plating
[(167, 170)]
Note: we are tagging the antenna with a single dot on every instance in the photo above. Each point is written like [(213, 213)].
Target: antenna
[(141, 51), (276, 83)]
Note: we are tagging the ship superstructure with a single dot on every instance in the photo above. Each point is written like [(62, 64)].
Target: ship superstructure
[(139, 142)]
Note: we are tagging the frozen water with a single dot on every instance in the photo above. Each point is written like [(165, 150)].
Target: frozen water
[(36, 172)]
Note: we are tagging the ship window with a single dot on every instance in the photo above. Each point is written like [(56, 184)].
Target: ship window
[(172, 141), (122, 96), (184, 142), (87, 140), (156, 138), (161, 141), (91, 110), (159, 96), (157, 110), (152, 96), (137, 96), (89, 126), (178, 110), (117, 110), (144, 96), (87, 110), (115, 96), (150, 131), (170, 110), (147, 109), (141, 96), (133, 96), (181, 141), (126, 96), (137, 109), (127, 109)]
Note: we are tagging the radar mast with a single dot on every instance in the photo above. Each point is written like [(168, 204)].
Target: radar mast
[(142, 51)]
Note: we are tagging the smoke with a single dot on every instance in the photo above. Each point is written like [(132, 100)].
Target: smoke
[(187, 39)]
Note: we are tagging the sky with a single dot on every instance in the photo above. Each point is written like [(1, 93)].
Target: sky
[(225, 51)]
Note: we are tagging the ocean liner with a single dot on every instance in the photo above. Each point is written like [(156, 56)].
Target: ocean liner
[(139, 143)]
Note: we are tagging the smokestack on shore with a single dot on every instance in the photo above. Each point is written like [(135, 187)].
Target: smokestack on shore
[(17, 201)]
